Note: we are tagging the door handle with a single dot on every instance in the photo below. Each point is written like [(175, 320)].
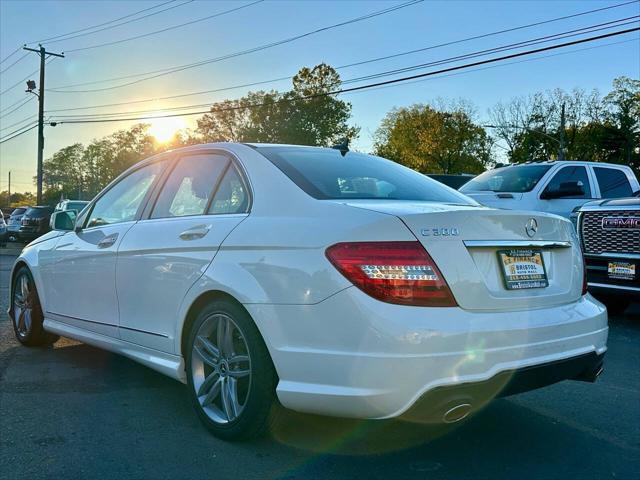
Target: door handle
[(107, 241), (195, 233)]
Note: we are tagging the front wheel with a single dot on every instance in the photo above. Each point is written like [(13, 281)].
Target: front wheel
[(27, 312), (230, 375)]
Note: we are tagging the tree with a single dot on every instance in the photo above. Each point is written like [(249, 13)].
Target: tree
[(624, 116), (17, 199), (434, 141), (64, 174), (289, 117)]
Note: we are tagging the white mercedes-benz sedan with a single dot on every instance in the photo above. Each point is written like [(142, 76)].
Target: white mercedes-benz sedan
[(318, 279)]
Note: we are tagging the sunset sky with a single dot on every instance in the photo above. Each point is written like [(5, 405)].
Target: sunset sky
[(589, 66)]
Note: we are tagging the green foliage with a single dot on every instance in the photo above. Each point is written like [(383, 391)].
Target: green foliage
[(17, 199), (596, 129), (434, 141), (287, 117)]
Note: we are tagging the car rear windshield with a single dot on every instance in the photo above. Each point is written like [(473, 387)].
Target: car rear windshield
[(327, 174), (18, 211), (516, 179), (37, 212)]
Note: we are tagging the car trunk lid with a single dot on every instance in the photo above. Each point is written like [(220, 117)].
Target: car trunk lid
[(465, 242)]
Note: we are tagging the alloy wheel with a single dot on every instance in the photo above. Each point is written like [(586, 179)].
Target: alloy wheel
[(221, 368), (23, 298)]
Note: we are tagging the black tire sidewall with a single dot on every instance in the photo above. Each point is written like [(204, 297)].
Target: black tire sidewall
[(254, 419), (36, 334)]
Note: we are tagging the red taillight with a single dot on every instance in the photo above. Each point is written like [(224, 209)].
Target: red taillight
[(394, 272)]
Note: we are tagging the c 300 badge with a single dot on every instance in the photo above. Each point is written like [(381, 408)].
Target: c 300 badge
[(440, 232)]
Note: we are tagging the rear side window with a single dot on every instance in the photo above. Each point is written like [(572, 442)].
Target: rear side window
[(326, 174), (613, 183), (231, 196), (190, 185), (572, 173)]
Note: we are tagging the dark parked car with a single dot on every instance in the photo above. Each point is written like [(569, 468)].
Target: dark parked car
[(3, 230), (14, 222), (610, 235), (35, 222), (453, 181)]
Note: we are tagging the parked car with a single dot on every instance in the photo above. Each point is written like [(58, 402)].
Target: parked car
[(610, 235), (552, 187), (453, 181), (3, 230), (34, 223), (65, 205), (14, 223), (336, 282)]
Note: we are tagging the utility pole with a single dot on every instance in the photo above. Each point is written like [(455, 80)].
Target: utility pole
[(43, 53), (562, 127), (9, 191)]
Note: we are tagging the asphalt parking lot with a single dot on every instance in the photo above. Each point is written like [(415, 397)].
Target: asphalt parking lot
[(74, 411)]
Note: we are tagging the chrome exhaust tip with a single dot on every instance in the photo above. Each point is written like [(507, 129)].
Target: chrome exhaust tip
[(457, 413)]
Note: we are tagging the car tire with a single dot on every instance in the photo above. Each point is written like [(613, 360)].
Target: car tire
[(27, 311), (231, 378)]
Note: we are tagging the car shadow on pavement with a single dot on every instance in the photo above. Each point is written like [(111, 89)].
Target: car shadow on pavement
[(133, 412)]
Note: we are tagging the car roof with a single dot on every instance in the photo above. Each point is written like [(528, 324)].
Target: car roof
[(569, 162)]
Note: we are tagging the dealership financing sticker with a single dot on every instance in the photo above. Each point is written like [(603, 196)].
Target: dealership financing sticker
[(523, 269), (622, 270)]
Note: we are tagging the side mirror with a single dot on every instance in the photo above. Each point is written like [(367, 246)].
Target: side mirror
[(565, 190), (65, 220)]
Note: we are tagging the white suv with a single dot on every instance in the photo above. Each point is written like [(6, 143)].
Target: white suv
[(552, 187)]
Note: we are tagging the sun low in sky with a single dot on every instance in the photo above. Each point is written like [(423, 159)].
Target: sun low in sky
[(164, 129)]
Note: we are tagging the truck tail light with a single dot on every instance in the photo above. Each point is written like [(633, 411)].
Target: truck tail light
[(393, 272)]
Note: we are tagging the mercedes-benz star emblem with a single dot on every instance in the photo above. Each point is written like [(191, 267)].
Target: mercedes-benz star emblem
[(531, 227)]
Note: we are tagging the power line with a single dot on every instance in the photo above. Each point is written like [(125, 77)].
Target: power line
[(370, 85), (17, 133), (18, 60), (173, 27), (10, 55), (25, 78), (167, 71), (18, 107), (54, 38), (535, 41), (12, 105), (376, 59), (30, 117)]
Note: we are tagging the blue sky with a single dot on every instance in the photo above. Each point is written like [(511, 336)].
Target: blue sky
[(420, 25)]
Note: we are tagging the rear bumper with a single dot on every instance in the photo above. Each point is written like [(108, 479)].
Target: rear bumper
[(435, 404), (354, 356)]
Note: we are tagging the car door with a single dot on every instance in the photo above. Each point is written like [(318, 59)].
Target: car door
[(202, 200), (81, 290), (564, 206)]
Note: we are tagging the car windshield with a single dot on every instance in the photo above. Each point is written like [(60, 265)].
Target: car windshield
[(37, 212), (515, 179), (18, 211), (327, 174)]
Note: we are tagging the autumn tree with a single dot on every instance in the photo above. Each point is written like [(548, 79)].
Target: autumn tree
[(304, 115), (432, 140)]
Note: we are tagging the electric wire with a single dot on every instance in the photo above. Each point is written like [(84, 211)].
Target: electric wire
[(170, 70), (366, 86), (166, 29), (535, 41), (55, 38), (14, 63)]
